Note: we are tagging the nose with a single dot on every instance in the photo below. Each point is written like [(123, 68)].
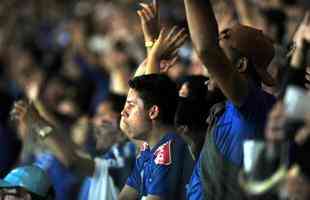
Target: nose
[(124, 113)]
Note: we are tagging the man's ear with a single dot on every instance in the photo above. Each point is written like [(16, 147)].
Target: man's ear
[(242, 64), (154, 112)]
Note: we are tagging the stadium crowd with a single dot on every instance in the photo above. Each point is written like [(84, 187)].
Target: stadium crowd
[(154, 100)]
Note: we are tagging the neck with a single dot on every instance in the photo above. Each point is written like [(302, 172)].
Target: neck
[(156, 134)]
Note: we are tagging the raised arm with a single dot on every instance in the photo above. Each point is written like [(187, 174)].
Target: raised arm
[(157, 49), (249, 14), (150, 22), (53, 138), (301, 40), (204, 33)]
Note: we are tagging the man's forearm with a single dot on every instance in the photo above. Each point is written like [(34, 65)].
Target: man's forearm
[(65, 152), (152, 66), (204, 33), (249, 14), (202, 24)]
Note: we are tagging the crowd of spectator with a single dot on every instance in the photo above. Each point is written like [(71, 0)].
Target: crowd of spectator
[(123, 99)]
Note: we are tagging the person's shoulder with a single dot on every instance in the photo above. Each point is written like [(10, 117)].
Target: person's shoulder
[(162, 154), (256, 100)]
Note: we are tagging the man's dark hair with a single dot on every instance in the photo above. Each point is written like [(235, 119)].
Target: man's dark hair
[(193, 113), (160, 90)]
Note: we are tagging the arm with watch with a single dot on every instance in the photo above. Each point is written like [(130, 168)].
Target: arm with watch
[(51, 135)]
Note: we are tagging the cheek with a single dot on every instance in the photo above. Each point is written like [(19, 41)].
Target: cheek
[(138, 118)]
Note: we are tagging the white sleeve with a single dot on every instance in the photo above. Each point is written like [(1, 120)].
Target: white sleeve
[(102, 186)]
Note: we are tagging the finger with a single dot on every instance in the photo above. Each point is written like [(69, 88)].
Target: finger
[(171, 33), (148, 9), (174, 60), (178, 36), (20, 107), (307, 85), (161, 34), (302, 135), (139, 14), (307, 18), (141, 17), (307, 77), (145, 15), (178, 43), (174, 54), (155, 6), (308, 70)]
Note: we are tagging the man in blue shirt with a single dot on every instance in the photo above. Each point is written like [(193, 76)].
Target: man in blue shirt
[(236, 60), (164, 164)]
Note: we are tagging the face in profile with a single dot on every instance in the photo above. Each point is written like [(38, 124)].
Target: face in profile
[(134, 117), (184, 91)]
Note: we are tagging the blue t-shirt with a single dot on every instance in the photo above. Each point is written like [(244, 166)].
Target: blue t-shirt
[(232, 128), (63, 180), (163, 170)]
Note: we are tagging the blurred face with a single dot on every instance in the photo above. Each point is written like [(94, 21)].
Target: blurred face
[(105, 136), (14, 194), (106, 130), (183, 92), (135, 122), (231, 53), (105, 114)]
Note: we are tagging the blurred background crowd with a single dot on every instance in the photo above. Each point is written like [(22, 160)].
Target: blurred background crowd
[(78, 56)]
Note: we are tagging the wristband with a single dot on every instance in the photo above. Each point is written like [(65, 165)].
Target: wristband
[(44, 132), (149, 44)]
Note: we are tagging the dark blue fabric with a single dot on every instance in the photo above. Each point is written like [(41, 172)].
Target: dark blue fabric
[(238, 124), (84, 192), (63, 180), (194, 189), (149, 178), (232, 128), (98, 78)]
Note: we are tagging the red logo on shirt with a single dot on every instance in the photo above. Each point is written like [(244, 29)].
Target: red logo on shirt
[(162, 154)]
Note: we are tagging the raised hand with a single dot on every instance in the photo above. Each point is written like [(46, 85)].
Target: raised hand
[(307, 78), (149, 17), (27, 117), (303, 30), (274, 130), (167, 44), (165, 65), (165, 48), (303, 134)]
